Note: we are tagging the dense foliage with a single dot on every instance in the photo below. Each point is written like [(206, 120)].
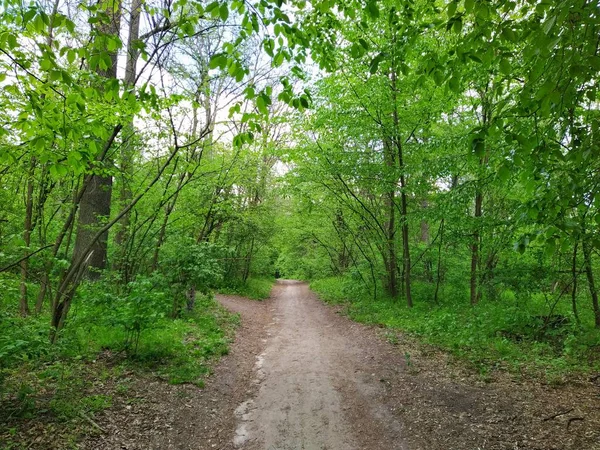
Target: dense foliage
[(441, 155)]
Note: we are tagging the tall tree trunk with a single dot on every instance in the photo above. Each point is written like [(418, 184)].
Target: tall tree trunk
[(95, 203), (93, 211), (589, 271), (574, 277), (439, 264), (476, 244), (403, 196), (475, 249), (390, 227), (27, 229), (129, 146)]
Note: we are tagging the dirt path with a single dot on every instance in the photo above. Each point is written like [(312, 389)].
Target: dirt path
[(302, 376), (314, 384)]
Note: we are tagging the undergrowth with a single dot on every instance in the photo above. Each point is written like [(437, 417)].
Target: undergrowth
[(45, 388), (521, 335), (253, 288)]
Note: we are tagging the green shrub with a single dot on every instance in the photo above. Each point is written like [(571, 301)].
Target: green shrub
[(253, 288), (516, 332)]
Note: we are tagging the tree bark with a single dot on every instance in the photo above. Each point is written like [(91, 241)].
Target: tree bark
[(403, 197), (129, 146), (439, 264), (574, 277), (95, 203), (475, 249), (589, 271), (390, 226), (27, 230)]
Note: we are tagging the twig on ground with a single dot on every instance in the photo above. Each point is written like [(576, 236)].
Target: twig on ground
[(554, 416), (573, 419)]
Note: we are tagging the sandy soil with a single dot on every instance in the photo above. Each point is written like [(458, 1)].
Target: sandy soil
[(302, 376)]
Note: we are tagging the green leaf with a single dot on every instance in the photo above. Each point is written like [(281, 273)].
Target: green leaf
[(278, 59), (373, 9), (503, 173), (505, 66), (224, 12), (475, 58), (549, 24), (374, 66), (452, 8), (45, 63), (55, 75), (219, 60), (261, 104), (457, 25), (454, 84), (357, 50)]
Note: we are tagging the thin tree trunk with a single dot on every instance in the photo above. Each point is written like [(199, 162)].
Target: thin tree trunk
[(574, 283), (403, 200), (67, 228), (390, 226), (128, 148), (475, 249), (439, 264), (27, 229), (587, 256)]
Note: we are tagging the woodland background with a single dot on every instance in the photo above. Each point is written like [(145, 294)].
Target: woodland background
[(432, 164)]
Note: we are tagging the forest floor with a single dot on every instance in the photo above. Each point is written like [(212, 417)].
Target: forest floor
[(300, 375)]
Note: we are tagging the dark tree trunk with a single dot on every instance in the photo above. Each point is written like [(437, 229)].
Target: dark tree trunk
[(94, 210), (403, 197), (574, 276), (475, 250), (587, 256), (390, 226)]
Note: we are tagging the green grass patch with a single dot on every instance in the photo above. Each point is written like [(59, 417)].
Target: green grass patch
[(253, 288), (46, 387), (511, 333)]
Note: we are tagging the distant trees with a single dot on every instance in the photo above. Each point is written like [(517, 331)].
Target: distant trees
[(484, 112), (110, 121), (127, 125)]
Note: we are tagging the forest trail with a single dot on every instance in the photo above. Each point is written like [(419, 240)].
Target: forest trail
[(301, 375), (317, 389)]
